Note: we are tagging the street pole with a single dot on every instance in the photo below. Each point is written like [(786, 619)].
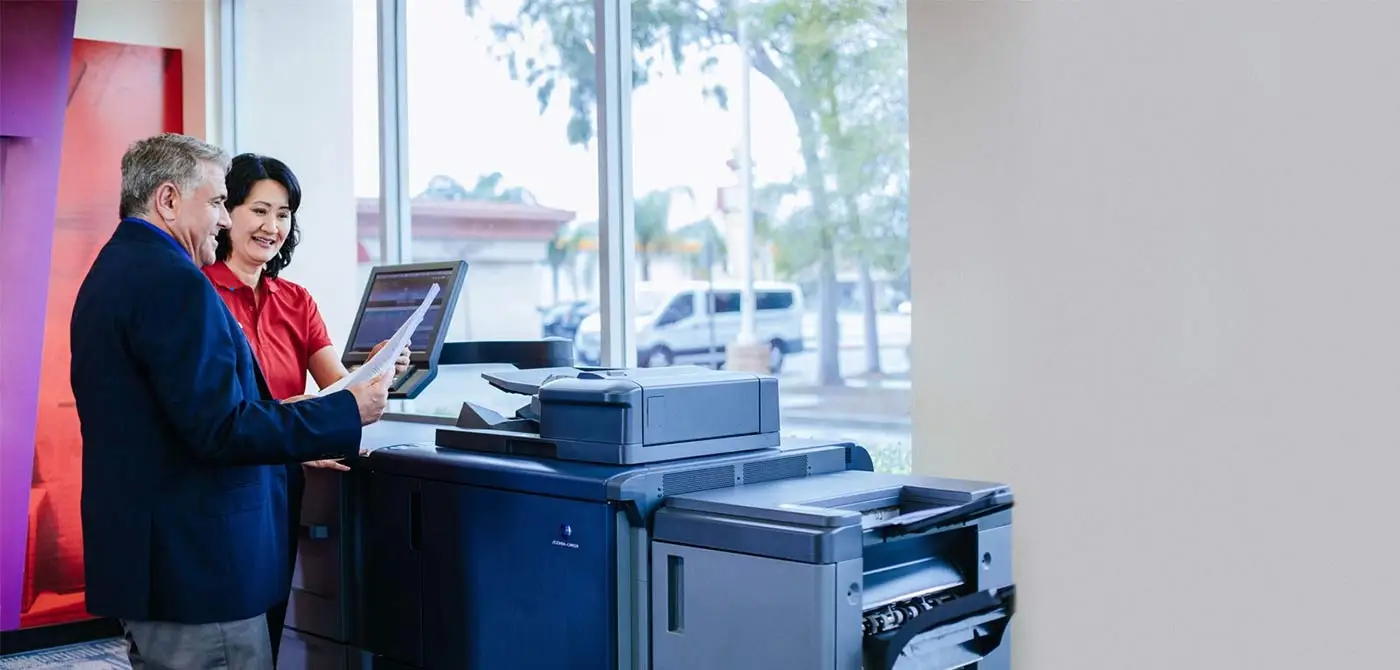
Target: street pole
[(746, 304), (710, 296)]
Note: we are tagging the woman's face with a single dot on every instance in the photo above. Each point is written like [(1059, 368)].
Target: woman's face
[(261, 224)]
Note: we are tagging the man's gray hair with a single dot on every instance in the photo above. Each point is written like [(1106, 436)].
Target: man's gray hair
[(170, 157)]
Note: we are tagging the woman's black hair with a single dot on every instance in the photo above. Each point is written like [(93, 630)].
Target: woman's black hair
[(247, 170)]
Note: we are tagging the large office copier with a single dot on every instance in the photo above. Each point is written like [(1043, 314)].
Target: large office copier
[(641, 518)]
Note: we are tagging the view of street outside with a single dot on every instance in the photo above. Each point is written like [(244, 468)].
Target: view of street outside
[(872, 411), (803, 102)]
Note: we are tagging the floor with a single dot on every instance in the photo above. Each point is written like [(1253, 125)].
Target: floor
[(99, 655)]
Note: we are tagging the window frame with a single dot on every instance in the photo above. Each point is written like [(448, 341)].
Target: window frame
[(616, 234), (616, 258)]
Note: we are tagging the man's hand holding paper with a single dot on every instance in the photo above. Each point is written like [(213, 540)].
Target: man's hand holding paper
[(400, 363), (383, 359)]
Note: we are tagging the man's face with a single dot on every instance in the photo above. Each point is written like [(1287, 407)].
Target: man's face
[(197, 216)]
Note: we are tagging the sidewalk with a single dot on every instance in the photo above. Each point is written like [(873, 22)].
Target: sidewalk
[(867, 405)]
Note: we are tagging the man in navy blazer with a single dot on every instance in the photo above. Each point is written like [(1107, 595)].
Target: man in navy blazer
[(183, 485)]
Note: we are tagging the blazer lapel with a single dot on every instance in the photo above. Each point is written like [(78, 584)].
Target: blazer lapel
[(263, 389)]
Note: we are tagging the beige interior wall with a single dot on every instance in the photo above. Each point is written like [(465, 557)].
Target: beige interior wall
[(1156, 292)]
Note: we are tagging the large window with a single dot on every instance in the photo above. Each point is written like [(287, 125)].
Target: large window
[(774, 127), (493, 179), (369, 224)]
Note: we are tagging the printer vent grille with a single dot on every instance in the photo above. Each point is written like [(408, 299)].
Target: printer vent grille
[(677, 483), (786, 467)]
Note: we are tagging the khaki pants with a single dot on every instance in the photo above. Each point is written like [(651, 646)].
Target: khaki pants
[(235, 645)]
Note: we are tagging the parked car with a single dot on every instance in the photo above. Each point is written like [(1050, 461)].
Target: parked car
[(562, 319), (692, 322)]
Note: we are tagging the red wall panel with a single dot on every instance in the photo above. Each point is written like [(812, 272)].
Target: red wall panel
[(117, 94)]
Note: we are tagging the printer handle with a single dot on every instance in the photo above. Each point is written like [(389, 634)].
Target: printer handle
[(921, 521), (549, 352), (315, 531), (882, 651)]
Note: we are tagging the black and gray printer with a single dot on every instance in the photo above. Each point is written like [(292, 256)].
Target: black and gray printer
[(846, 570), (634, 519), (624, 417), (653, 519)]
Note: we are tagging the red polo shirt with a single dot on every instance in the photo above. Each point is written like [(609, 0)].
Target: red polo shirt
[(284, 327)]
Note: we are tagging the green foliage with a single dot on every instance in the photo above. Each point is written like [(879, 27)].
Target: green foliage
[(654, 236), (842, 68), (796, 245), (841, 65), (651, 216), (487, 187), (561, 247), (767, 206), (895, 460), (705, 233), (857, 83)]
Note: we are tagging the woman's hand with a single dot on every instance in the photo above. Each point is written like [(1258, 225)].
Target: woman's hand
[(333, 463), (299, 398), (328, 464), (400, 363)]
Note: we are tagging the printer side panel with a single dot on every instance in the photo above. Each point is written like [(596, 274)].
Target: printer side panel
[(685, 413), (391, 607), (319, 581), (994, 552), (994, 543), (717, 609), (516, 580)]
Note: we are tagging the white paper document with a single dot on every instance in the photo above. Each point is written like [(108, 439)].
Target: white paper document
[(383, 360)]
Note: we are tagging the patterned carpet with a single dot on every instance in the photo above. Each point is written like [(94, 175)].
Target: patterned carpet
[(100, 655)]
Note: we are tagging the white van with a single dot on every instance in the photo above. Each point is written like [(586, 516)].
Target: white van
[(677, 325)]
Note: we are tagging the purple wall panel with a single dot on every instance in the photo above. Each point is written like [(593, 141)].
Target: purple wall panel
[(36, 44)]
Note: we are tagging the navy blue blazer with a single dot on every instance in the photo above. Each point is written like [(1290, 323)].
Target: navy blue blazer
[(184, 478)]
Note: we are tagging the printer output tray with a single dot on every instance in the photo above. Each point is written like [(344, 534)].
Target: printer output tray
[(955, 634)]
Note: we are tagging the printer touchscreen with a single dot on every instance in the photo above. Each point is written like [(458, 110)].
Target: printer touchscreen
[(392, 299)]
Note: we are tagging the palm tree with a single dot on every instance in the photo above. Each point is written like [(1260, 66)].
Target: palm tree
[(562, 246), (705, 235), (652, 219), (563, 249), (487, 187)]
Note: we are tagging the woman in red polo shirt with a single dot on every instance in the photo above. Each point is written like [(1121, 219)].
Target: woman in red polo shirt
[(279, 318)]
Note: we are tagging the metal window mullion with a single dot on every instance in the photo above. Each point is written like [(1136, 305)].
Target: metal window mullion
[(230, 18), (616, 232), (396, 229), (395, 233)]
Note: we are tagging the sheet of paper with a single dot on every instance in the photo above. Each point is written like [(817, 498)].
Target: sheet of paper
[(383, 360)]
